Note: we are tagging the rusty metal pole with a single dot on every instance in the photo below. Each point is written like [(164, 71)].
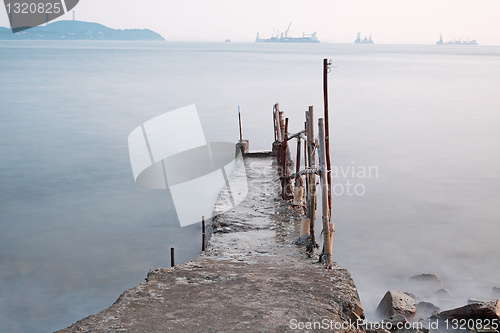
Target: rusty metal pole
[(285, 162), (203, 235), (327, 134), (172, 257), (239, 117), (327, 246), (306, 165)]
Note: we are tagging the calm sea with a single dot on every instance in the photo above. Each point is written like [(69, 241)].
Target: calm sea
[(75, 230)]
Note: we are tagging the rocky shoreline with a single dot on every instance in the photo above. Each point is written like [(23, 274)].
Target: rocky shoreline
[(415, 311), (251, 278)]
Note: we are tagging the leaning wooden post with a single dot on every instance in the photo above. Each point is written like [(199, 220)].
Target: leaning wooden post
[(327, 246), (311, 152), (327, 133)]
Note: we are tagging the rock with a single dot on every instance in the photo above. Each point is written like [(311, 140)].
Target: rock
[(496, 292), (429, 280), (424, 285), (302, 240), (475, 301), (411, 295), (396, 319), (396, 302), (425, 310), (443, 294), (425, 278), (382, 330), (486, 310)]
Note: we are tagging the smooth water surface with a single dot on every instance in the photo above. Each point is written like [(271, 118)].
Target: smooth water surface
[(75, 230)]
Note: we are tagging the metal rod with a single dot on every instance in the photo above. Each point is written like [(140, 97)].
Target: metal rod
[(306, 165), (293, 136), (325, 214), (172, 257), (327, 133), (203, 235), (239, 116), (285, 162), (308, 171)]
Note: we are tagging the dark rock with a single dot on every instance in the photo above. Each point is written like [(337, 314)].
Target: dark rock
[(425, 310), (428, 279), (396, 302), (486, 310)]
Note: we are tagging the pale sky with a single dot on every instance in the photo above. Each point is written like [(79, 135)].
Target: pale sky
[(336, 21)]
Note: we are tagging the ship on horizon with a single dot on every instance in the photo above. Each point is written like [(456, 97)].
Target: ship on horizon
[(456, 42), (365, 40), (283, 38)]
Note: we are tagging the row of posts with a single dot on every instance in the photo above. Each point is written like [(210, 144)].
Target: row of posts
[(312, 147), (281, 147), (203, 242)]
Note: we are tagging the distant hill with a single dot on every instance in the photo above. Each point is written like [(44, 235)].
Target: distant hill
[(78, 30)]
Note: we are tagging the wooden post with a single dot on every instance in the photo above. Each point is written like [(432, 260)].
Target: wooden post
[(274, 122), (297, 166), (306, 164), (172, 257), (203, 235), (327, 246), (239, 117), (277, 123), (285, 162), (327, 133), (282, 125), (311, 152)]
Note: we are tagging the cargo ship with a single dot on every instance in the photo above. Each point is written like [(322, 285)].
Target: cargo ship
[(283, 38), (456, 42)]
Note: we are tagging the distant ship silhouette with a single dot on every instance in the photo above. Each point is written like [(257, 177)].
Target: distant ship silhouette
[(456, 42), (365, 40)]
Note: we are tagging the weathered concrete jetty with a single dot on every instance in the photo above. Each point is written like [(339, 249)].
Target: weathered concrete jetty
[(251, 277)]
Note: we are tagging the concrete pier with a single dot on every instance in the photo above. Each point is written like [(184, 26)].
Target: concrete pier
[(251, 278)]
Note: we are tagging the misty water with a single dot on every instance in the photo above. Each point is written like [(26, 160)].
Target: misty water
[(75, 230)]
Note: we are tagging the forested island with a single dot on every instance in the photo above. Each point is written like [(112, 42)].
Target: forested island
[(79, 30)]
